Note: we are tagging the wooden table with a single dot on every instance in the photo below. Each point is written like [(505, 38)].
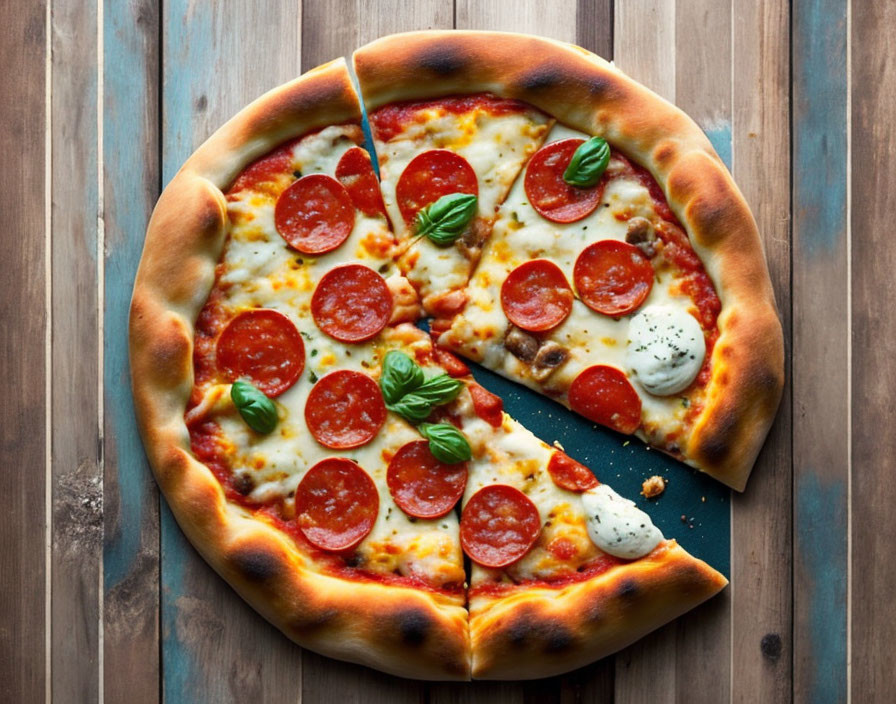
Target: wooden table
[(101, 597)]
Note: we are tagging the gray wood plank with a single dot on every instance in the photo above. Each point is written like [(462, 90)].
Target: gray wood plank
[(821, 339), (23, 320), (131, 181), (77, 528), (873, 373), (761, 527), (216, 59)]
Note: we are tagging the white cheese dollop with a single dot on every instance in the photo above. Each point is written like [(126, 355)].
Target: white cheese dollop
[(617, 526), (666, 349)]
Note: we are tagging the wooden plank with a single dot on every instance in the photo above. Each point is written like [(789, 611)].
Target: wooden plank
[(131, 500), (761, 526), (216, 59), (594, 26), (324, 679), (23, 319), (77, 528), (821, 339), (873, 373)]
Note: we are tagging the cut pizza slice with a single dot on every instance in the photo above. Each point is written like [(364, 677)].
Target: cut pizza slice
[(564, 570), (446, 165)]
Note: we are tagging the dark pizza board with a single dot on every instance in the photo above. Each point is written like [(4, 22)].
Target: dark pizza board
[(624, 463)]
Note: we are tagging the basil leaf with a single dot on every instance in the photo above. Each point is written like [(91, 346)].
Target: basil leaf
[(257, 410), (439, 389), (588, 163), (446, 443), (411, 407), (401, 374), (444, 220)]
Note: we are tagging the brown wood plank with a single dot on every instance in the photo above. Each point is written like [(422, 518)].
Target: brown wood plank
[(131, 635), (23, 413), (873, 82), (216, 59), (594, 26), (324, 679), (761, 517), (77, 528)]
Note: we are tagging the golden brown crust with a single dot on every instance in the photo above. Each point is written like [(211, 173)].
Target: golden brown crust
[(397, 629), (589, 94), (539, 632)]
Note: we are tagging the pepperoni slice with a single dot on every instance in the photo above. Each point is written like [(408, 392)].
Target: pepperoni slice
[(422, 486), (315, 214), (430, 176), (569, 474), (613, 277), (345, 409), (551, 196), (336, 504), (498, 526), (355, 172), (352, 303), (536, 296), (486, 405), (263, 346), (604, 395)]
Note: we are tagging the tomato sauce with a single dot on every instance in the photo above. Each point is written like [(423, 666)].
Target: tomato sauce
[(389, 121)]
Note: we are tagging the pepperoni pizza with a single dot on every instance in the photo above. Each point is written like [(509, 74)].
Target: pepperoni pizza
[(339, 465)]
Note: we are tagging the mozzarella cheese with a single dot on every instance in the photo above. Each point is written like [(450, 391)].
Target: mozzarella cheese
[(617, 526), (665, 349)]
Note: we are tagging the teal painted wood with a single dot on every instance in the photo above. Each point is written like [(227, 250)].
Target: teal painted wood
[(821, 339), (131, 514)]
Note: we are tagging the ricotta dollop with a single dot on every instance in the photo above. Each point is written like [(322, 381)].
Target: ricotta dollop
[(666, 349), (617, 526)]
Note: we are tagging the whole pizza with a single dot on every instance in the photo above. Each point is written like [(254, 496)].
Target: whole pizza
[(315, 276)]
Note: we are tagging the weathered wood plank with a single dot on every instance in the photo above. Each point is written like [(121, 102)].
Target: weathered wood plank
[(23, 319), (217, 58), (131, 181), (594, 26), (324, 679), (77, 527), (703, 90), (761, 517), (821, 339), (873, 373)]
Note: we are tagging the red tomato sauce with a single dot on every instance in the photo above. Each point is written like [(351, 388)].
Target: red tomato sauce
[(389, 120), (583, 574)]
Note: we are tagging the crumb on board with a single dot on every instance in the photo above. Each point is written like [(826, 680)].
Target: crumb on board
[(653, 486), (557, 444)]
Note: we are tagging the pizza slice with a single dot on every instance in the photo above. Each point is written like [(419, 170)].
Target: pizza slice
[(446, 165)]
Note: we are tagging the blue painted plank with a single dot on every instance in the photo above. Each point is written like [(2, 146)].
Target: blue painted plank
[(131, 185), (821, 342)]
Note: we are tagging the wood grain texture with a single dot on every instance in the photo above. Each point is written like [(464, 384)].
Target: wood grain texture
[(131, 181), (761, 527), (77, 528), (217, 58), (873, 141), (594, 26), (821, 339), (644, 43), (23, 320)]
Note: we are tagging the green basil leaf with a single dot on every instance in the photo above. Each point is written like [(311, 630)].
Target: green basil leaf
[(446, 443), (444, 220), (257, 410), (401, 374), (411, 407), (439, 389), (588, 163)]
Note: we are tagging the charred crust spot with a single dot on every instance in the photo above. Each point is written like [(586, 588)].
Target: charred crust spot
[(716, 446), (256, 565), (413, 627), (601, 86), (312, 620), (628, 589), (559, 640), (552, 637), (442, 60), (542, 78), (664, 153)]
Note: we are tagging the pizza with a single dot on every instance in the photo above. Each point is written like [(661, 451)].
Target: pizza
[(308, 299)]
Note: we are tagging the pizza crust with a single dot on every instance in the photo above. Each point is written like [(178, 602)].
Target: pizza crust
[(589, 94), (405, 631), (540, 632)]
